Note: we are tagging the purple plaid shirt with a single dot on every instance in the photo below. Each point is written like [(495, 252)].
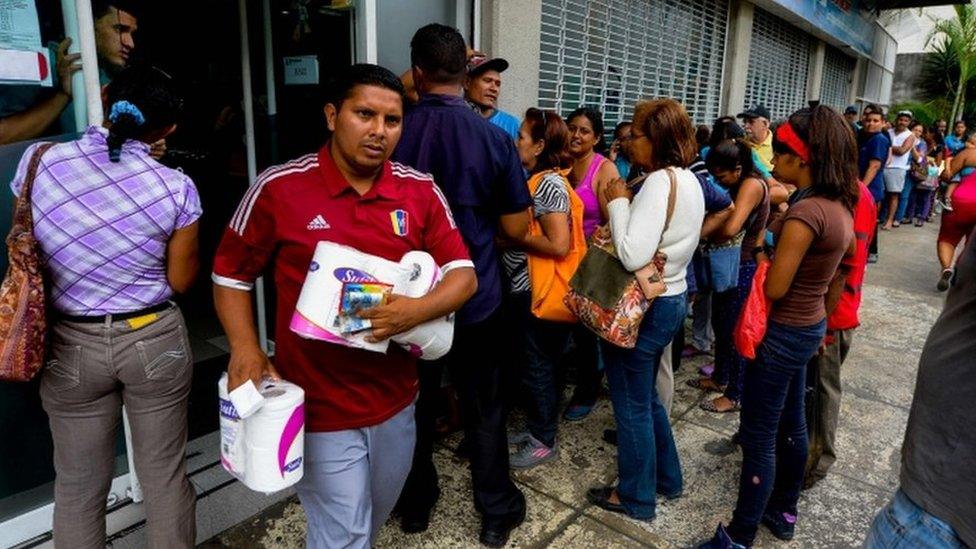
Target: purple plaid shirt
[(103, 227)]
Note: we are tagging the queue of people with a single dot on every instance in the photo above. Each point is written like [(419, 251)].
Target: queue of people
[(506, 208)]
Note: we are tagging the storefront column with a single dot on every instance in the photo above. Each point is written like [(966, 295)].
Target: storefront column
[(736, 67), (815, 78), (856, 89), (511, 29)]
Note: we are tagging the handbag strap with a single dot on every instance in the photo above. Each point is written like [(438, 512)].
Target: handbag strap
[(24, 213), (671, 199)]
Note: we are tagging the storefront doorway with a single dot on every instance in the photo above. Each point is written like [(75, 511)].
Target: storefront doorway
[(200, 45)]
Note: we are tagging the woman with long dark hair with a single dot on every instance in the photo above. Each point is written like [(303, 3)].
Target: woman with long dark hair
[(663, 144), (590, 173), (558, 216), (731, 164), (815, 151), (117, 233)]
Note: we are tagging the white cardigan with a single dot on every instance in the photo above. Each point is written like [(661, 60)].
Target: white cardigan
[(636, 226)]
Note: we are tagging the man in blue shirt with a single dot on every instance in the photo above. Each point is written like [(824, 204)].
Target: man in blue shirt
[(481, 89), (479, 170), (873, 146)]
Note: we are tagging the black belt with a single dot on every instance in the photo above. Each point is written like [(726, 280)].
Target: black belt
[(117, 316)]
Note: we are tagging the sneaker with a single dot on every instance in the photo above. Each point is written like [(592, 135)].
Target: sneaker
[(945, 280), (515, 439), (577, 412), (782, 525), (530, 453), (721, 540)]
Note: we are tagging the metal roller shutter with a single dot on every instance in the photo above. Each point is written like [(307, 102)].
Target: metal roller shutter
[(779, 60), (835, 87), (612, 53)]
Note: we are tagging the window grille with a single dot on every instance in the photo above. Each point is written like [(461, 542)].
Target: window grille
[(835, 87), (779, 61), (612, 53)]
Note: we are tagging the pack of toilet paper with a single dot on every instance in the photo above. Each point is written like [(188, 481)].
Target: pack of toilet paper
[(342, 280), (262, 433)]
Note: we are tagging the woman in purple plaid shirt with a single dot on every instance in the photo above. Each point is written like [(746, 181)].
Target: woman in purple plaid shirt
[(117, 232)]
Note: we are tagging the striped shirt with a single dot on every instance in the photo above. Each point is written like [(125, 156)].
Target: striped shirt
[(551, 196), (102, 226)]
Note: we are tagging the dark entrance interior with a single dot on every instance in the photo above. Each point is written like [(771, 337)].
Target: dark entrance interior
[(198, 43)]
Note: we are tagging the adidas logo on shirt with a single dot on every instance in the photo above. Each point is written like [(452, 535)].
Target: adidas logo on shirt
[(318, 224)]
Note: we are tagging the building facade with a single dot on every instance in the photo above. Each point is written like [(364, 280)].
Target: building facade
[(715, 56)]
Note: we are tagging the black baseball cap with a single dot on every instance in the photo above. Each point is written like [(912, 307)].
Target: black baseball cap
[(851, 109), (478, 65), (758, 111)]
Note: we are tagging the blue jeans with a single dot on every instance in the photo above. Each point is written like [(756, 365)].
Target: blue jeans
[(773, 427), (905, 198), (904, 525), (545, 343), (730, 367), (647, 458)]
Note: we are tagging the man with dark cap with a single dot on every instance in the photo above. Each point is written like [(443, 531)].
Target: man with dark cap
[(481, 175), (758, 136), (482, 87), (850, 114)]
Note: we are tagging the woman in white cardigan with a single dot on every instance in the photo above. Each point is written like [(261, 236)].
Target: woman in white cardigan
[(663, 141)]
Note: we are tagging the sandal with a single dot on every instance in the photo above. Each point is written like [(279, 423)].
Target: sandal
[(710, 406), (705, 384)]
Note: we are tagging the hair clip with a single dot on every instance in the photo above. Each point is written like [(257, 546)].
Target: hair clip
[(124, 107)]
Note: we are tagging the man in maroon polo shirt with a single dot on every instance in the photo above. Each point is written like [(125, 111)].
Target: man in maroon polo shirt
[(359, 404)]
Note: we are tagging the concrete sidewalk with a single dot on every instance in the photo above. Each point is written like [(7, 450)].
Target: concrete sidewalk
[(900, 305)]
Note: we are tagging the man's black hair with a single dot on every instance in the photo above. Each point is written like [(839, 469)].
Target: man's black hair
[(439, 51), (362, 74), (100, 8)]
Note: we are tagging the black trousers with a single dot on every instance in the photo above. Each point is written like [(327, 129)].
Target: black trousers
[(475, 365)]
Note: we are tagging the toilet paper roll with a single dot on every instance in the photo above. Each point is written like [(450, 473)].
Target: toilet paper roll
[(246, 399), (317, 311), (274, 439), (265, 451), (231, 432), (432, 339)]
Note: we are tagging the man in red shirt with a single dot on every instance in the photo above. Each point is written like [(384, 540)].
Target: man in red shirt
[(359, 404), (823, 371)]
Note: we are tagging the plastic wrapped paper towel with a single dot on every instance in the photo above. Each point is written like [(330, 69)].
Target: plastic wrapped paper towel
[(341, 278), (262, 433)]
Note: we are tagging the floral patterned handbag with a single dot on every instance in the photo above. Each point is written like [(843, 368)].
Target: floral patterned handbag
[(606, 297), (23, 322)]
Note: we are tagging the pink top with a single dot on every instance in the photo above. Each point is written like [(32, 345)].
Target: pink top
[(966, 193), (591, 206)]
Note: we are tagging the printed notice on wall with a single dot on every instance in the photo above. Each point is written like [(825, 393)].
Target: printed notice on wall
[(23, 59)]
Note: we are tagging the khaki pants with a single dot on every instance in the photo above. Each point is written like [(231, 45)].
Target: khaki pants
[(93, 369), (823, 409)]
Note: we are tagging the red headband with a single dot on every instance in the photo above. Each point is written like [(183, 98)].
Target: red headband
[(787, 135)]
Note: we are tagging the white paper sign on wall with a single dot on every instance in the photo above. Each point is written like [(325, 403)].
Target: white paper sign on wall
[(301, 70)]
